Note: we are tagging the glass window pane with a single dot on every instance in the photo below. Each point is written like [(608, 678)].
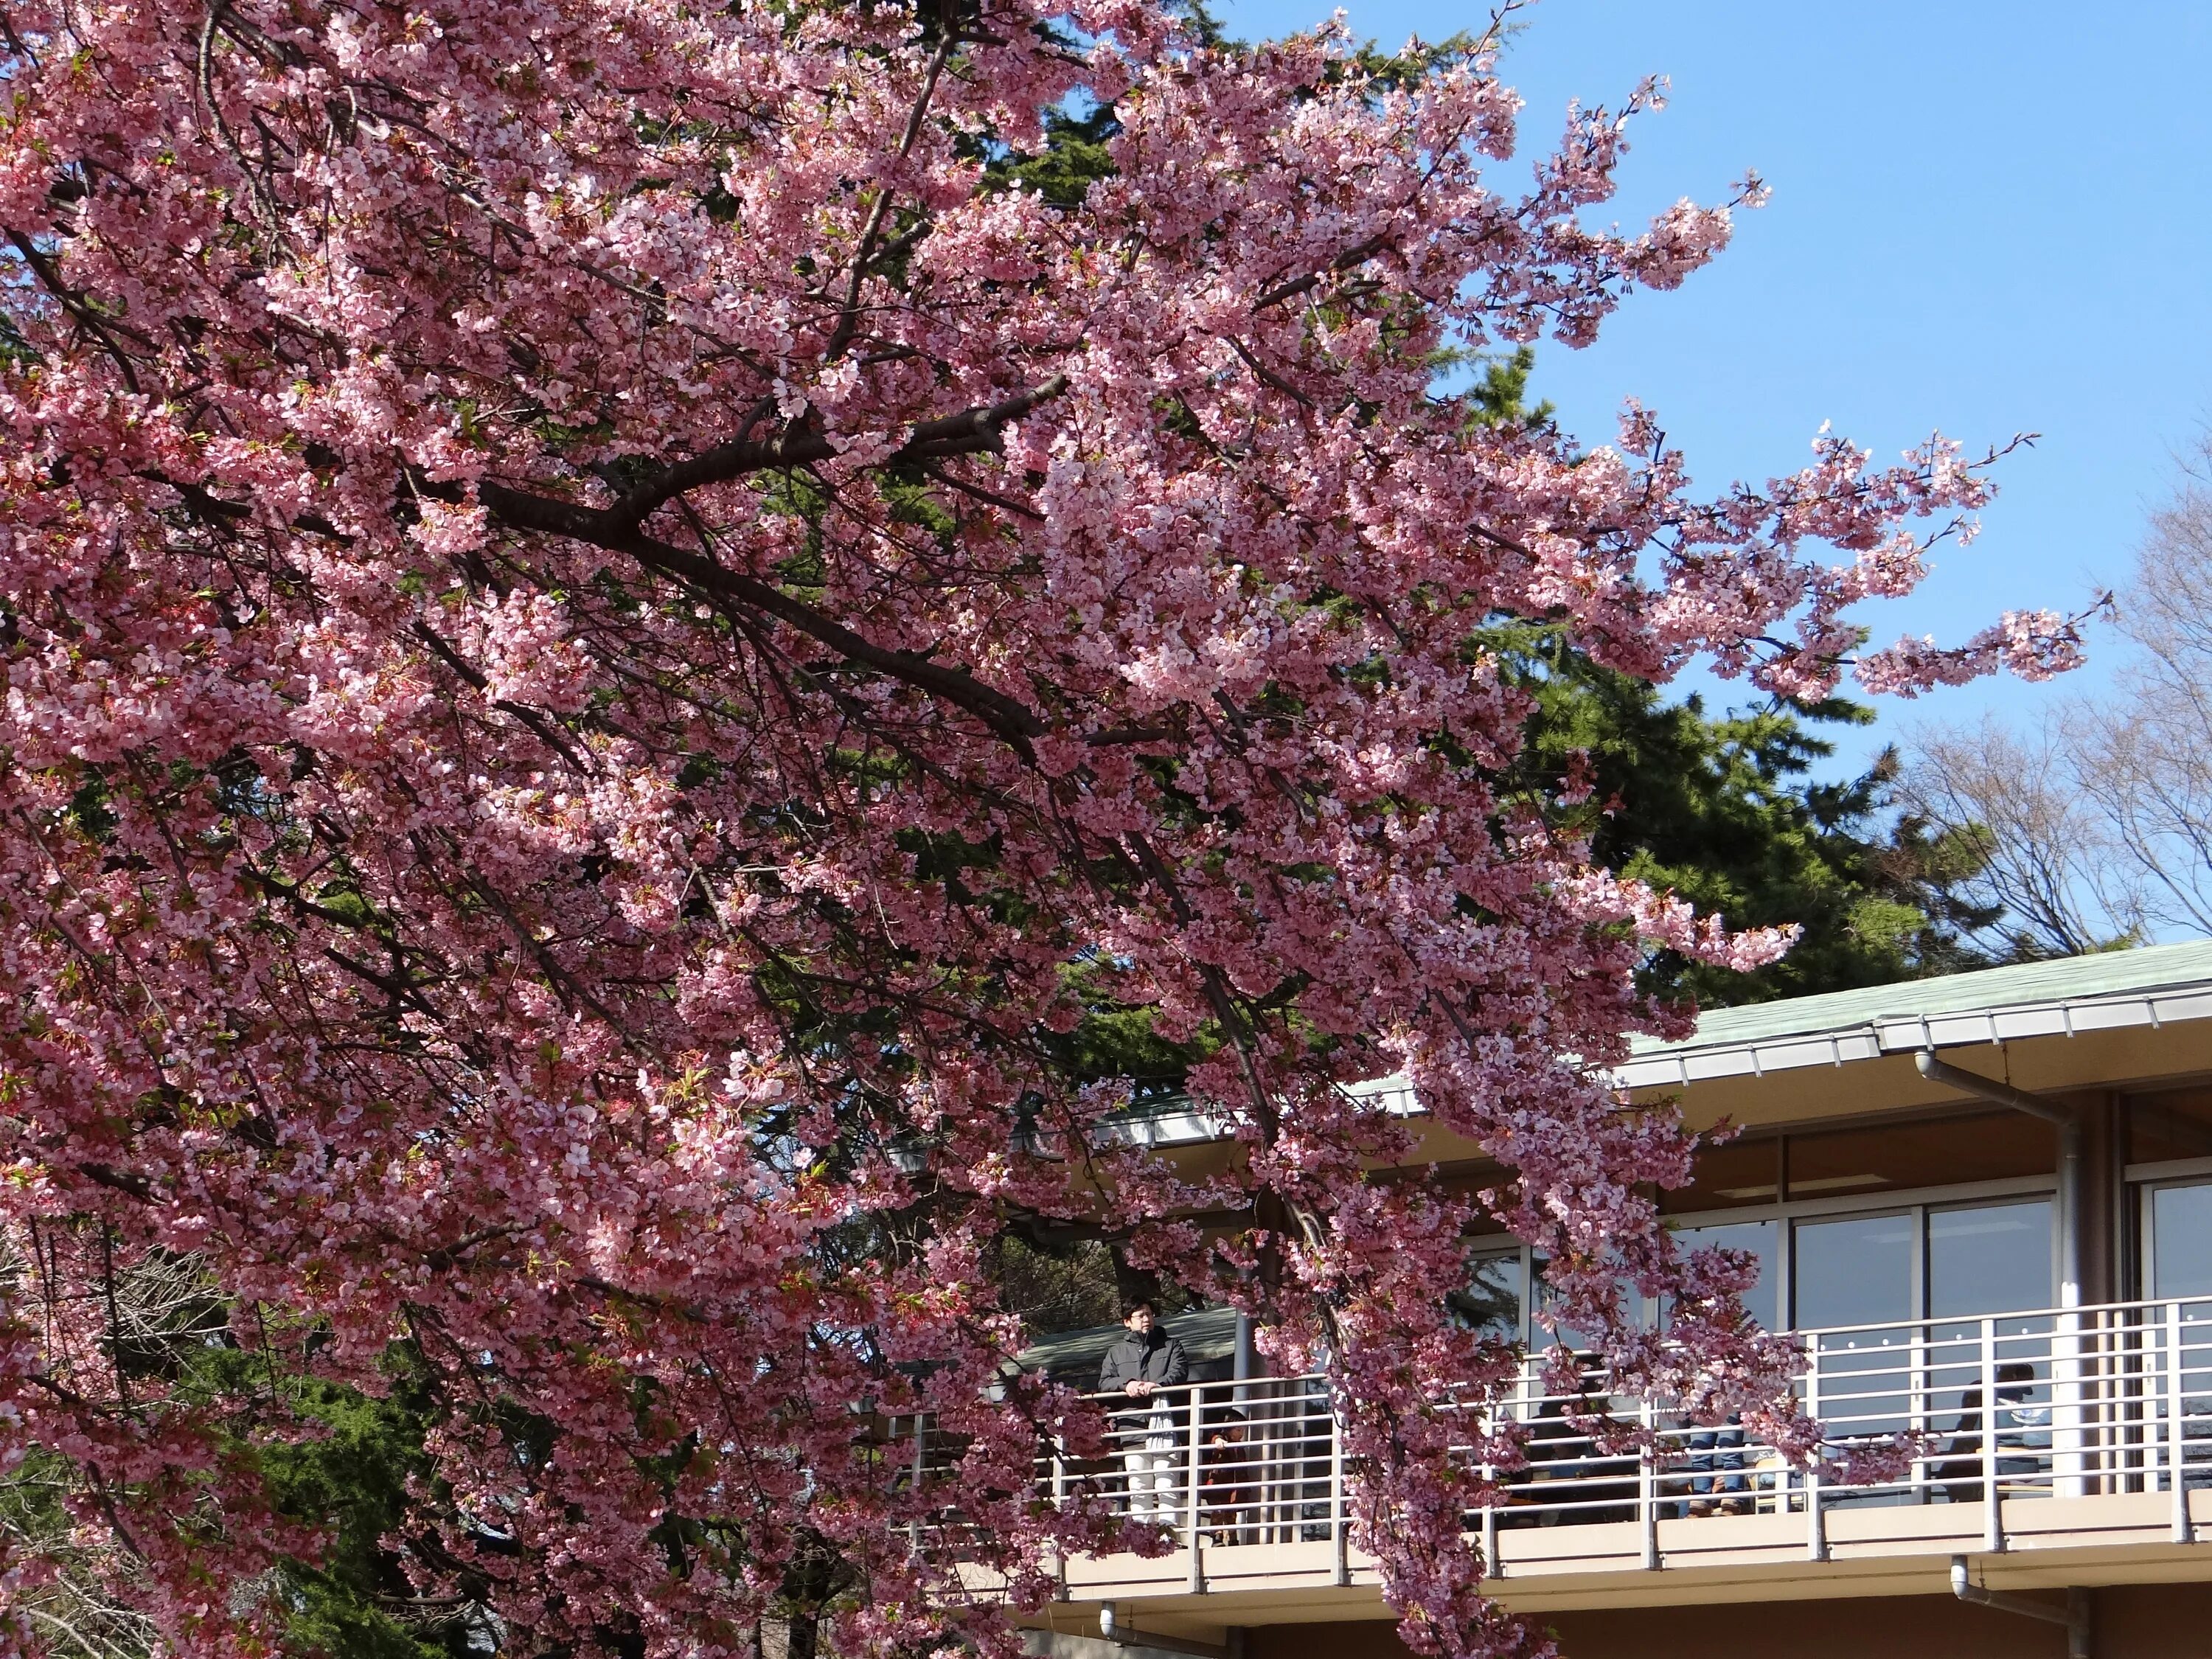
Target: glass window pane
[(1491, 1303), (1990, 1259), (1633, 1302), (1894, 1158), (2181, 1241), (1853, 1272), (1757, 1238)]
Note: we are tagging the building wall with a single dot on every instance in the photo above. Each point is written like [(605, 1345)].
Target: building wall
[(2134, 1621)]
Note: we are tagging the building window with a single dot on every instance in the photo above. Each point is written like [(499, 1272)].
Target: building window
[(1495, 1301), (1757, 1238), (1992, 1258), (1888, 1273), (1855, 1270), (2177, 1228)]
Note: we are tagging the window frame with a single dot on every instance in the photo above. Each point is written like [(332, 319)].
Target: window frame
[(1916, 1203), (2182, 1173)]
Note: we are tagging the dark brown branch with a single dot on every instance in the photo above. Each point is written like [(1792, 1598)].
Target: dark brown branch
[(548, 734), (989, 498), (1357, 252), (643, 1298), (1011, 719), (102, 329), (121, 1181), (403, 992), (972, 431), (1266, 374), (1003, 713), (616, 530), (1115, 735), (445, 1255), (848, 316)]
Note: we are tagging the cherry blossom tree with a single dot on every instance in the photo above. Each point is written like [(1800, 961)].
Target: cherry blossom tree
[(611, 638)]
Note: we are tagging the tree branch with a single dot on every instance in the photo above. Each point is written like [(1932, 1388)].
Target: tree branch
[(848, 316), (616, 529), (971, 431), (1356, 253)]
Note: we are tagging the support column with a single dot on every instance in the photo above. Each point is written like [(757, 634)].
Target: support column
[(2069, 1442)]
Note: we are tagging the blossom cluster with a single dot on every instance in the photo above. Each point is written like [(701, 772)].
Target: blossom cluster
[(600, 611)]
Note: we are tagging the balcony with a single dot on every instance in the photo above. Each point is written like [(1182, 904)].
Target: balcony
[(2094, 1466)]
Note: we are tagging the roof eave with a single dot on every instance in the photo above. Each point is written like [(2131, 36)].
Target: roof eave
[(1683, 1065)]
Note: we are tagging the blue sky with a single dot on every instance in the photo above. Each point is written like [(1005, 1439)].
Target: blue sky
[(1986, 218)]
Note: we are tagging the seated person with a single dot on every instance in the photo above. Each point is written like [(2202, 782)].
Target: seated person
[(1585, 1483), (1229, 1478), (2022, 1432), (1717, 1482)]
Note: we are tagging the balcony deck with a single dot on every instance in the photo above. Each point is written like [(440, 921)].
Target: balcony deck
[(2106, 1538), (2100, 1449)]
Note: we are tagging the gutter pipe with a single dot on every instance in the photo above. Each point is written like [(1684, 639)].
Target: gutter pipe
[(2074, 1616), (2071, 1187)]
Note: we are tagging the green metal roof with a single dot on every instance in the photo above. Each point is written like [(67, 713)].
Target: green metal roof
[(2073, 994), (2064, 979), (2069, 995)]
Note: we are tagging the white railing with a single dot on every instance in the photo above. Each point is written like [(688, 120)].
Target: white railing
[(2110, 1398)]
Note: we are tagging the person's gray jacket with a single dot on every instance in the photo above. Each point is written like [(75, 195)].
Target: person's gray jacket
[(1158, 1358)]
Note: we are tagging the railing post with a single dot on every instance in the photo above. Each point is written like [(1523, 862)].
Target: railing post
[(1059, 1502), (2176, 1427), (921, 1472), (1339, 1533), (1491, 1565), (1917, 1404), (1193, 1443), (1647, 1484), (1816, 1531), (2068, 1463), (1992, 1510), (1267, 1438)]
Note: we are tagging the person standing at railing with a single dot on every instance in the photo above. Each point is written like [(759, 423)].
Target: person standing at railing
[(1143, 1363), (1717, 1485)]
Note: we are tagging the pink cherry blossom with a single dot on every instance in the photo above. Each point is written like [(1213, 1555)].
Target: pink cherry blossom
[(596, 615)]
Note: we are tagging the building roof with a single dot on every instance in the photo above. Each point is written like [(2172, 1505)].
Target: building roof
[(2153, 985)]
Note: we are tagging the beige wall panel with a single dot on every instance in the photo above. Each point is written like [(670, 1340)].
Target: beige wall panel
[(2136, 1621)]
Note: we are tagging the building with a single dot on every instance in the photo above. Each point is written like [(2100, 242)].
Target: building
[(1996, 1185)]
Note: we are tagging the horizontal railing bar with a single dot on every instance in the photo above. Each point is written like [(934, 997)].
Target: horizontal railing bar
[(2047, 1403)]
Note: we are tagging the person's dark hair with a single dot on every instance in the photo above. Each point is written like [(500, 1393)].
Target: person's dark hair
[(1143, 1302), (2016, 1371)]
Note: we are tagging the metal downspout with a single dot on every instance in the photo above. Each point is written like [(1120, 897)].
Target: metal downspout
[(2075, 1617), (2072, 1264), (2070, 1411)]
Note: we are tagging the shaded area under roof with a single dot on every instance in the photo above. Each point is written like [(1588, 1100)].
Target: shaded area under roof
[(1208, 1338)]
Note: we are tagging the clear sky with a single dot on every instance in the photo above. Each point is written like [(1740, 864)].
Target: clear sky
[(1989, 216)]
